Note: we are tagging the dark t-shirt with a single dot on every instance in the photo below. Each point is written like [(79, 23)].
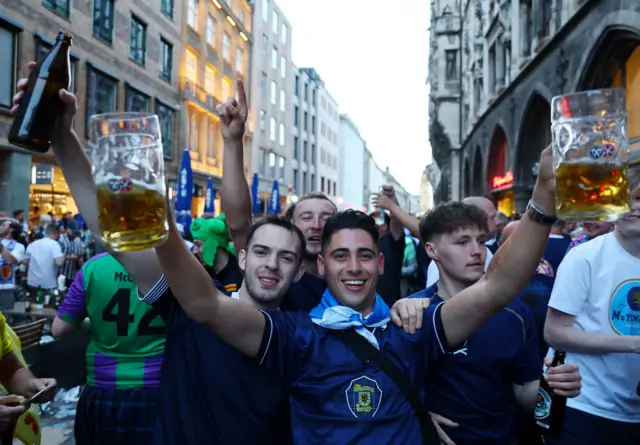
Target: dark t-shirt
[(305, 294), (209, 392), (389, 282)]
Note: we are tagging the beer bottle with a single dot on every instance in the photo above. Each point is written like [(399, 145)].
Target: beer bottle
[(40, 107), (550, 407)]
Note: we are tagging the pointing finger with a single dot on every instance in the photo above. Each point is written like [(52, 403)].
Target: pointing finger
[(242, 95)]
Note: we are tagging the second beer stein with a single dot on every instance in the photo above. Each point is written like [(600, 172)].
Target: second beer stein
[(128, 173), (590, 155)]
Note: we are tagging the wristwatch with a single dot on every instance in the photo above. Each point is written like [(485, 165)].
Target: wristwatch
[(539, 216)]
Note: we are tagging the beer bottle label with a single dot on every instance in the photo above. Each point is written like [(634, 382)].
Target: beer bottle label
[(543, 406)]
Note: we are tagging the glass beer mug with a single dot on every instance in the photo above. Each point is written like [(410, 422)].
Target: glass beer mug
[(590, 155), (128, 172)]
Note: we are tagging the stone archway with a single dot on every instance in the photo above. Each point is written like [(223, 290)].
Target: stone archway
[(478, 177), (535, 136), (498, 160)]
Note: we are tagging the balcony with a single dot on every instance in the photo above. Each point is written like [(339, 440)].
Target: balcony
[(192, 91)]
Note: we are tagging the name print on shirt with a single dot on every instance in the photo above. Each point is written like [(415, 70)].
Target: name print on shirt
[(363, 397)]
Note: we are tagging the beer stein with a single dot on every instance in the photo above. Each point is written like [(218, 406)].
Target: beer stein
[(590, 155), (128, 172)]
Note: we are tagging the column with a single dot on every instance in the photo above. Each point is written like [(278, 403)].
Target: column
[(521, 195), (15, 179), (455, 174)]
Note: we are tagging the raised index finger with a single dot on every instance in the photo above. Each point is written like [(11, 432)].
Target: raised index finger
[(242, 95)]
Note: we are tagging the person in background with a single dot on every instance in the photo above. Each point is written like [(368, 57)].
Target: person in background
[(73, 250), (44, 257), (12, 253), (124, 358), (19, 216), (591, 230)]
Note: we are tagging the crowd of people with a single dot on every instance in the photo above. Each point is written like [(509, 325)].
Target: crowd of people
[(316, 328)]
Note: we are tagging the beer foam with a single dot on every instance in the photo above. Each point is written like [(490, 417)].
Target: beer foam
[(104, 178)]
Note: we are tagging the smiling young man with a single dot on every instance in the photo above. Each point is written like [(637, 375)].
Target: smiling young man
[(473, 389), (356, 403)]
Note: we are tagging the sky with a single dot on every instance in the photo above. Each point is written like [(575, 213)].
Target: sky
[(373, 58)]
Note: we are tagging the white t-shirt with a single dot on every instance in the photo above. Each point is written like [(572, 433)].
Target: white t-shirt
[(43, 269), (599, 283), (433, 274), (18, 254)]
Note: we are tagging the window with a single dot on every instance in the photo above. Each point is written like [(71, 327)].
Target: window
[(209, 80), (272, 165), (192, 14), (283, 33), (212, 139), (191, 71), (305, 121), (211, 31), (239, 60), (283, 67), (226, 89), (272, 128), (274, 58), (60, 7), (193, 118), (306, 91), (281, 134), (166, 117), (262, 161), (265, 10), (8, 66), (295, 147), (283, 100), (313, 97), (295, 85), (137, 101), (313, 152), (451, 57), (263, 122), (265, 46), (138, 44), (103, 20), (296, 112), (313, 125), (294, 182), (102, 91), (166, 59), (304, 151), (322, 184), (167, 8), (226, 46), (42, 49), (281, 162), (275, 22), (273, 92), (263, 84), (304, 183)]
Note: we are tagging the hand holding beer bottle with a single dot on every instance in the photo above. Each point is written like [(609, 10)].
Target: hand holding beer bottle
[(233, 114)]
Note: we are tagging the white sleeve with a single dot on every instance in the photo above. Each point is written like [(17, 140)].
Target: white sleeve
[(433, 274), (572, 284), (56, 251), (18, 252)]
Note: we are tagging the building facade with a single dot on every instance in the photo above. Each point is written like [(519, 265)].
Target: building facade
[(518, 55), (122, 60), (350, 159), (303, 132), (271, 149), (217, 46)]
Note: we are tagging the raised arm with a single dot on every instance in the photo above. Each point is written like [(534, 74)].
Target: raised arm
[(235, 195), (237, 323), (398, 214), (143, 265), (512, 266)]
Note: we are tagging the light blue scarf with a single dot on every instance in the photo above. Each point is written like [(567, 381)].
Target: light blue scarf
[(331, 315)]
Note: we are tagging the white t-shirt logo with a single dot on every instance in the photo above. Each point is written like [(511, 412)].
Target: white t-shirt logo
[(624, 308)]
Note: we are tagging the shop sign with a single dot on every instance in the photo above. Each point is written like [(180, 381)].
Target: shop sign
[(503, 181), (42, 174)]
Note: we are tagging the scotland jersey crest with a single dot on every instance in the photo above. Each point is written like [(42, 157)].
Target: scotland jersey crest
[(363, 397)]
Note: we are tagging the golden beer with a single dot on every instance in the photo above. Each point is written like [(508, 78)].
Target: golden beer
[(588, 191), (132, 216)]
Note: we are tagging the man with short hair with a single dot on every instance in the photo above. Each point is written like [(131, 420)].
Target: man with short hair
[(72, 248), (305, 349), (45, 257), (476, 391), (12, 253)]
